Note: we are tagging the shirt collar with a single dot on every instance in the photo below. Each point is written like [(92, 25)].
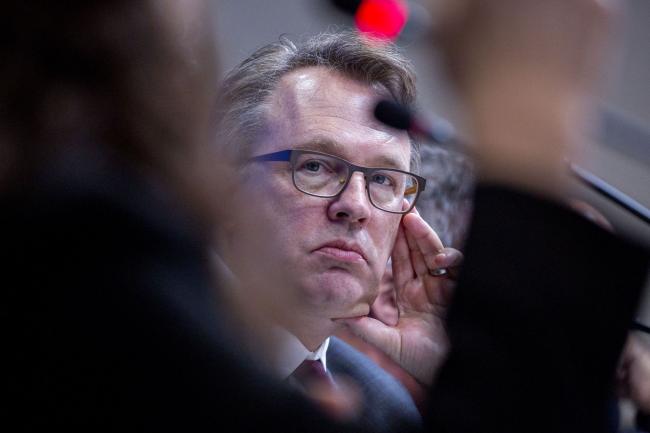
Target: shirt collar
[(290, 353)]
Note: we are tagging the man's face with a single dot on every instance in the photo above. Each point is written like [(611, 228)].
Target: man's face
[(332, 252)]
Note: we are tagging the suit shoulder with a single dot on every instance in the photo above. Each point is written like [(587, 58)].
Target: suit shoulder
[(387, 404)]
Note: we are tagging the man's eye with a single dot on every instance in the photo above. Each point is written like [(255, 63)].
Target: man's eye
[(312, 166), (381, 179)]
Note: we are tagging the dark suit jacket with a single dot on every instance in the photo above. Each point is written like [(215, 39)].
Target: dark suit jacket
[(387, 405), (538, 320)]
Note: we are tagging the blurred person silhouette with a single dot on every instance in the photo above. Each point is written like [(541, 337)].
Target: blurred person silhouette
[(633, 372), (523, 337), (110, 188)]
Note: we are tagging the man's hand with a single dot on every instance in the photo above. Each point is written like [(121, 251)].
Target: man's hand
[(418, 342)]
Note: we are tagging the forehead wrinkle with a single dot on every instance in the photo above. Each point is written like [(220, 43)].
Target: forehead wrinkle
[(343, 144), (322, 144), (283, 105), (388, 161), (307, 91), (313, 88), (295, 95), (334, 147), (293, 87)]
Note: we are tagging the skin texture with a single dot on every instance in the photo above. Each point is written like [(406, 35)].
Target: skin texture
[(315, 108), (384, 308), (417, 342)]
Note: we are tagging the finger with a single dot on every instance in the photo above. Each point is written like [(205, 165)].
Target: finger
[(426, 240), (417, 259), (449, 259), (401, 260), (437, 289)]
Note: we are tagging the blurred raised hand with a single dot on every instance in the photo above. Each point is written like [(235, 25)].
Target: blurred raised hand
[(526, 71)]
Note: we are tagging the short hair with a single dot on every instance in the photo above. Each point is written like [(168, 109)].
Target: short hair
[(241, 108)]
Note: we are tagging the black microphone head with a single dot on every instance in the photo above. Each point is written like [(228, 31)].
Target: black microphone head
[(349, 6), (393, 114)]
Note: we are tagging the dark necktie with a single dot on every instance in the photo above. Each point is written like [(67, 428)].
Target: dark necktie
[(312, 373)]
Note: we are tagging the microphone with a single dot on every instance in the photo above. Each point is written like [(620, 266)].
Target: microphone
[(442, 132), (439, 130), (348, 6)]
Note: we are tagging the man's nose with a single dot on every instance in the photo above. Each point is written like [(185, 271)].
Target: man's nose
[(353, 204)]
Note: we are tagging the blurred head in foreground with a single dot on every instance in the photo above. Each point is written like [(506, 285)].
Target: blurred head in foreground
[(130, 83), (310, 226)]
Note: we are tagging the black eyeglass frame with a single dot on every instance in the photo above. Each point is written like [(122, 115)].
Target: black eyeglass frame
[(291, 155)]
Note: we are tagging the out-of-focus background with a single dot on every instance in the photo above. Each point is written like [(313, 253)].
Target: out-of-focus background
[(621, 151)]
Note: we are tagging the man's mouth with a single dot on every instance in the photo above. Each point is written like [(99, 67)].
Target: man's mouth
[(342, 251)]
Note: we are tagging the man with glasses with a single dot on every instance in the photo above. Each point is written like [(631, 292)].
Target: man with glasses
[(327, 196)]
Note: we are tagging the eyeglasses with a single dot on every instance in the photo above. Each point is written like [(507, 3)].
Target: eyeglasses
[(323, 175)]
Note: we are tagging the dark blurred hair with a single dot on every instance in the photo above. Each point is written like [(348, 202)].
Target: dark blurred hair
[(110, 71)]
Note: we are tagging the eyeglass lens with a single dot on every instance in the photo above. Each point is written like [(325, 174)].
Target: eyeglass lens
[(326, 176)]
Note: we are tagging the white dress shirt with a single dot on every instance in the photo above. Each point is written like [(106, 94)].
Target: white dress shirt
[(290, 353)]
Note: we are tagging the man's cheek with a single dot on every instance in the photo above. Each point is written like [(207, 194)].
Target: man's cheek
[(392, 237)]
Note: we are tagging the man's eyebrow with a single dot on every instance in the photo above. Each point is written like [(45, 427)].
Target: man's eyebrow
[(335, 148), (324, 145), (387, 161)]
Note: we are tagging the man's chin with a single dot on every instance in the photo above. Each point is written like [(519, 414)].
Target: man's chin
[(338, 293), (340, 279)]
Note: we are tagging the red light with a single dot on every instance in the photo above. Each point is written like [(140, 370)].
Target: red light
[(382, 18)]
